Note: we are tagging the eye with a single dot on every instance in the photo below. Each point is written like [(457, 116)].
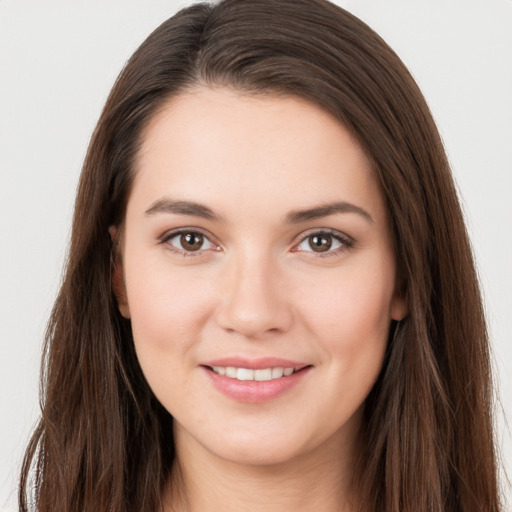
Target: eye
[(324, 242), (189, 241)]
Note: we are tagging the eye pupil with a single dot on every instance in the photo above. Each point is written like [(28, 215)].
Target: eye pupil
[(320, 243), (191, 241)]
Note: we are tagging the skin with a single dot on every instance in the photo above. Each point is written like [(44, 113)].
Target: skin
[(257, 288)]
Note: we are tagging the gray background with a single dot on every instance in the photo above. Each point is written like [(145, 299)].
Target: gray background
[(58, 60)]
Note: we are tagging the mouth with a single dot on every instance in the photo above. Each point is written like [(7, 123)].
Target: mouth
[(259, 375), (255, 381)]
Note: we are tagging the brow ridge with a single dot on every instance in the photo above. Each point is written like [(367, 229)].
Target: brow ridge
[(180, 207), (316, 212), (166, 205)]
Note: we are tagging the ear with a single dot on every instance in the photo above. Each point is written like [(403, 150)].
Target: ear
[(399, 308), (118, 282)]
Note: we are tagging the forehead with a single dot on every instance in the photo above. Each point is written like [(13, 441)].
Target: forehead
[(227, 149)]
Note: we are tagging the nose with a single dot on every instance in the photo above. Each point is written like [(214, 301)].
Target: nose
[(254, 302)]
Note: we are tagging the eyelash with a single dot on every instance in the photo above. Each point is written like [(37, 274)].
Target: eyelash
[(167, 237), (345, 242)]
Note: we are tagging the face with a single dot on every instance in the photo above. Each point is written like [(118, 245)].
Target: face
[(258, 273)]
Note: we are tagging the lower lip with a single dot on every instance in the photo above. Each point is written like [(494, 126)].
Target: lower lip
[(252, 391)]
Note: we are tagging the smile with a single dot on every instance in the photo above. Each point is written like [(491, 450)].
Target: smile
[(245, 374), (255, 381)]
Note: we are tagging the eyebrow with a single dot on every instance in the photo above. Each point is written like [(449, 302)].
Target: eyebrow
[(298, 216), (166, 205)]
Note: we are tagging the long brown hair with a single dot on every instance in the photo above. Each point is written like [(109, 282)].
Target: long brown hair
[(105, 443)]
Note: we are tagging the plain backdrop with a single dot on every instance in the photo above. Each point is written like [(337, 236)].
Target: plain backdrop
[(58, 60)]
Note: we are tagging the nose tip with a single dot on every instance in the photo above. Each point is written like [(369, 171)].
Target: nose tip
[(254, 303)]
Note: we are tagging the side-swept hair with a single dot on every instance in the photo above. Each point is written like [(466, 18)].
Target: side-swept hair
[(104, 443)]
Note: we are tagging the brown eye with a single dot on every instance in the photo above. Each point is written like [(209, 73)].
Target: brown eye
[(325, 243), (191, 241), (320, 243)]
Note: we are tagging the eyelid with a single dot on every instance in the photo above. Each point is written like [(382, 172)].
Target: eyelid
[(172, 233), (346, 241)]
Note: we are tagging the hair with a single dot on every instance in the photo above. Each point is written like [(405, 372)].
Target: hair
[(104, 443)]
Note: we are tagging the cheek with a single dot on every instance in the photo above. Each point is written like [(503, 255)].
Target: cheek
[(350, 307), (168, 308), (349, 315)]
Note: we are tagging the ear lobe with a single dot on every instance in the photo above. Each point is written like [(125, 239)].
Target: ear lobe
[(399, 308), (118, 283), (119, 289)]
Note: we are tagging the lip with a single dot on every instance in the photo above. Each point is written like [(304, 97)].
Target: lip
[(251, 391), (256, 364)]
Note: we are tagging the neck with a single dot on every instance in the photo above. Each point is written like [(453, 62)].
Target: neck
[(318, 480)]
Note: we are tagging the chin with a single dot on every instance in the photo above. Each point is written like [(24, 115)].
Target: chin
[(258, 452), (262, 445)]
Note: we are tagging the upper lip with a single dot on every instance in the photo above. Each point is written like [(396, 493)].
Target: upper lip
[(256, 364)]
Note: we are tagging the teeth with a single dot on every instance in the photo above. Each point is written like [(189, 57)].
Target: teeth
[(244, 374), (265, 374), (277, 373), (248, 374), (231, 372)]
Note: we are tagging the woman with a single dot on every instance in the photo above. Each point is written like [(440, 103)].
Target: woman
[(270, 300)]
